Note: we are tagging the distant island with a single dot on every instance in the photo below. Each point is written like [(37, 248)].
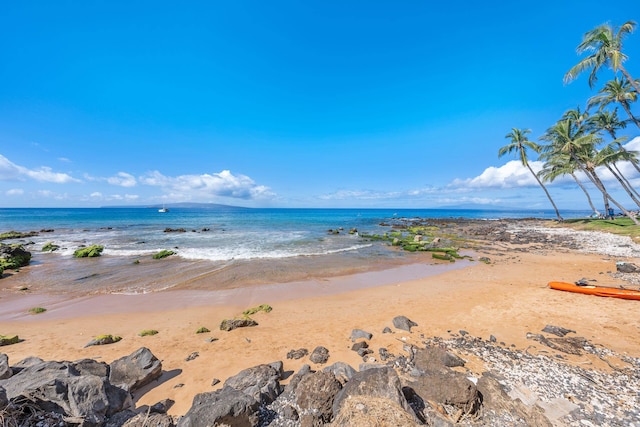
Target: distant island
[(178, 205)]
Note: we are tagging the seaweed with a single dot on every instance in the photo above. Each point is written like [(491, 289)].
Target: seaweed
[(163, 254), (89, 252)]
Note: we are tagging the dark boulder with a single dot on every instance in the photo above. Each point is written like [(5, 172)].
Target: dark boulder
[(342, 371), (260, 382), (226, 406), (66, 388), (297, 354), (136, 370), (403, 322), (626, 267), (319, 355), (433, 358), (381, 383), (315, 394), (14, 256)]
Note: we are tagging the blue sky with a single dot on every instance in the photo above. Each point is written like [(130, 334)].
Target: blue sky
[(287, 104)]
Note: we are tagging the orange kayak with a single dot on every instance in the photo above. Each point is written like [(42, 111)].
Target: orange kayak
[(596, 290)]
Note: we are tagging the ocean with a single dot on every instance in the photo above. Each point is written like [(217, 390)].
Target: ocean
[(220, 234), (230, 247)]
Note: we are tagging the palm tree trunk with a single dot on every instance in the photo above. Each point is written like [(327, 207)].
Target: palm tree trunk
[(598, 183), (626, 181), (636, 201), (546, 192), (586, 193), (621, 148), (625, 105), (628, 76)]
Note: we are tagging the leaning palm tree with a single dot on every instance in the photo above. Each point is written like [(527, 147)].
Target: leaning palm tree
[(605, 46), (520, 143), (580, 147), (619, 91), (608, 157), (559, 165)]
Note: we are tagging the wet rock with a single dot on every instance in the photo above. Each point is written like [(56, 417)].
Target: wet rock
[(319, 355), (403, 322)]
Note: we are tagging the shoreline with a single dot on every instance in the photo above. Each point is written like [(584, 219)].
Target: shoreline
[(507, 298)]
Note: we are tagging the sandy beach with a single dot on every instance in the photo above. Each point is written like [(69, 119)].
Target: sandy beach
[(507, 298)]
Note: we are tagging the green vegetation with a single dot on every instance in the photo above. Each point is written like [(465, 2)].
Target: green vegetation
[(148, 332), (9, 339), (263, 307), (14, 258), (622, 226), (202, 330), (136, 262), (163, 254), (37, 310), (50, 247), (89, 252), (585, 144), (420, 239), (17, 235), (107, 339)]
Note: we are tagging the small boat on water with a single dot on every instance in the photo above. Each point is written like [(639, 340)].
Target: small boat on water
[(163, 209), (600, 291)]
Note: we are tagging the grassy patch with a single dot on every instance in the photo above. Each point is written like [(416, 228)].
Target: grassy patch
[(37, 310), (622, 226), (263, 307), (163, 254), (202, 330), (148, 332), (89, 252)]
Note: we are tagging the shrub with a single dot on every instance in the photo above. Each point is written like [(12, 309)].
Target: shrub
[(89, 252)]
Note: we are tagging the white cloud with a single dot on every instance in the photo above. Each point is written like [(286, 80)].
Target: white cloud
[(64, 159), (11, 171), (512, 174), (223, 184), (122, 179), (14, 192), (96, 194)]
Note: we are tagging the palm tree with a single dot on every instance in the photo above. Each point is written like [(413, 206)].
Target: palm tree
[(605, 45), (616, 90), (559, 165), (565, 138), (608, 157), (520, 143), (608, 121)]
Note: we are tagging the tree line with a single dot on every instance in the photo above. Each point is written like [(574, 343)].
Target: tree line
[(581, 141)]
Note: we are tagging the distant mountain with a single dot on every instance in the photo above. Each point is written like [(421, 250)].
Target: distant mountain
[(180, 205)]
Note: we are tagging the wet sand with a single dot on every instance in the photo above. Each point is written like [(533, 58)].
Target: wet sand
[(506, 298)]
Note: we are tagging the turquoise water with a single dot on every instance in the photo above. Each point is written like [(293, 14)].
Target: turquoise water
[(223, 234)]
